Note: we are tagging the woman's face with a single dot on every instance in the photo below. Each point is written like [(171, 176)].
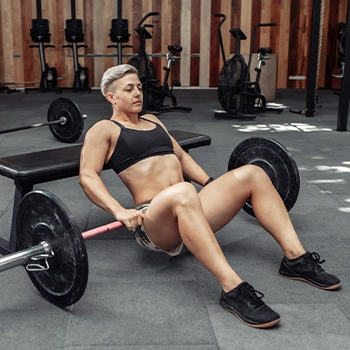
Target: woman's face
[(127, 96)]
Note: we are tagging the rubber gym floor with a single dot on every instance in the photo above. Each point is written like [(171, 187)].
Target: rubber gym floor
[(137, 299)]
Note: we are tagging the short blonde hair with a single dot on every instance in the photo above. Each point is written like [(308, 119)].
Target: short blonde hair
[(114, 73)]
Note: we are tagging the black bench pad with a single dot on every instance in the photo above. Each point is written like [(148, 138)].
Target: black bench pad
[(59, 163)]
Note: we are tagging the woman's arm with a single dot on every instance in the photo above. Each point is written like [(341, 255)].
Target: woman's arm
[(190, 168), (96, 147)]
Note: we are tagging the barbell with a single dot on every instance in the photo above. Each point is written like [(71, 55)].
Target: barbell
[(64, 120), (52, 248)]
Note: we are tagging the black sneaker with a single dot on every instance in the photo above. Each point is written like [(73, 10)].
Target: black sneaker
[(307, 268), (246, 304)]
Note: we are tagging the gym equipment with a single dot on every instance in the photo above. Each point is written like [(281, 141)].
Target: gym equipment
[(74, 35), (341, 43), (312, 99), (239, 96), (141, 61), (275, 160), (4, 86), (157, 94), (145, 67), (64, 119), (154, 95), (119, 33), (40, 34), (62, 279), (52, 247)]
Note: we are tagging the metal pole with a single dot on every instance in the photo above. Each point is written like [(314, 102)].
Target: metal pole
[(38, 9), (119, 30), (313, 57), (62, 121), (344, 95), (72, 3)]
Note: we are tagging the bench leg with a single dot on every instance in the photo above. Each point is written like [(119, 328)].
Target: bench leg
[(20, 191)]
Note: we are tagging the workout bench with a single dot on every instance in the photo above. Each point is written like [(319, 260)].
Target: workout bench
[(34, 168)]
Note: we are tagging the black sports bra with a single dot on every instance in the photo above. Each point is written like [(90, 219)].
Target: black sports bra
[(135, 145)]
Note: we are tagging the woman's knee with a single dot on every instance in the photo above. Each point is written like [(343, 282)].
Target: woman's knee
[(184, 194), (251, 174)]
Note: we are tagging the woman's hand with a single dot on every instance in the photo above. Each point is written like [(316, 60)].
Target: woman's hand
[(131, 218)]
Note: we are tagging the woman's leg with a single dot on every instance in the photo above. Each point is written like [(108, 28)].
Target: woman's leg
[(176, 215), (223, 198)]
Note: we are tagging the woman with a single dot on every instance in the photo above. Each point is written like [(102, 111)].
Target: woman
[(169, 212)]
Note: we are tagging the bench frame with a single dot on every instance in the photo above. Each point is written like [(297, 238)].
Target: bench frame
[(30, 169)]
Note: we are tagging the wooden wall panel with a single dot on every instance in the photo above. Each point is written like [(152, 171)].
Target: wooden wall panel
[(204, 62), (215, 53), (7, 41), (282, 45), (185, 39), (195, 20), (190, 23)]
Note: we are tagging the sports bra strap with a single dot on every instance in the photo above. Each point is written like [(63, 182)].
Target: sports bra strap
[(119, 124), (122, 126), (151, 121)]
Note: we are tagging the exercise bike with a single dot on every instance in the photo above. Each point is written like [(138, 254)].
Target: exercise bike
[(238, 95), (154, 94), (40, 34), (141, 61), (157, 94), (74, 34)]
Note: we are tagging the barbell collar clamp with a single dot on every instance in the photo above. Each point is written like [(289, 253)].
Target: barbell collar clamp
[(23, 257)]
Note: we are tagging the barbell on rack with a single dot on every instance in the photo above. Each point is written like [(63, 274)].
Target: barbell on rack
[(52, 247), (64, 120)]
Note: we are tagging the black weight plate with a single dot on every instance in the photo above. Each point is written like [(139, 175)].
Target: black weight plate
[(41, 216), (73, 128), (277, 162)]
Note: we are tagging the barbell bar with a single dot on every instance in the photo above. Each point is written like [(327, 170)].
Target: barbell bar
[(52, 248), (64, 119), (43, 250)]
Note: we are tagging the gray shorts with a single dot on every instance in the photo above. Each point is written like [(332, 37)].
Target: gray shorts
[(144, 241)]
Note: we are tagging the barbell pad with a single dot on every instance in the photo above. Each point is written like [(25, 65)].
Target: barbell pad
[(41, 216), (275, 160), (73, 128), (102, 229)]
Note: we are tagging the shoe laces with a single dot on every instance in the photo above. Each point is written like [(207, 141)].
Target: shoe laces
[(253, 295), (315, 256), (317, 261)]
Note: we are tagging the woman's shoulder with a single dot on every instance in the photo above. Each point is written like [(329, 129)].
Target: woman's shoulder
[(104, 124), (103, 127)]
